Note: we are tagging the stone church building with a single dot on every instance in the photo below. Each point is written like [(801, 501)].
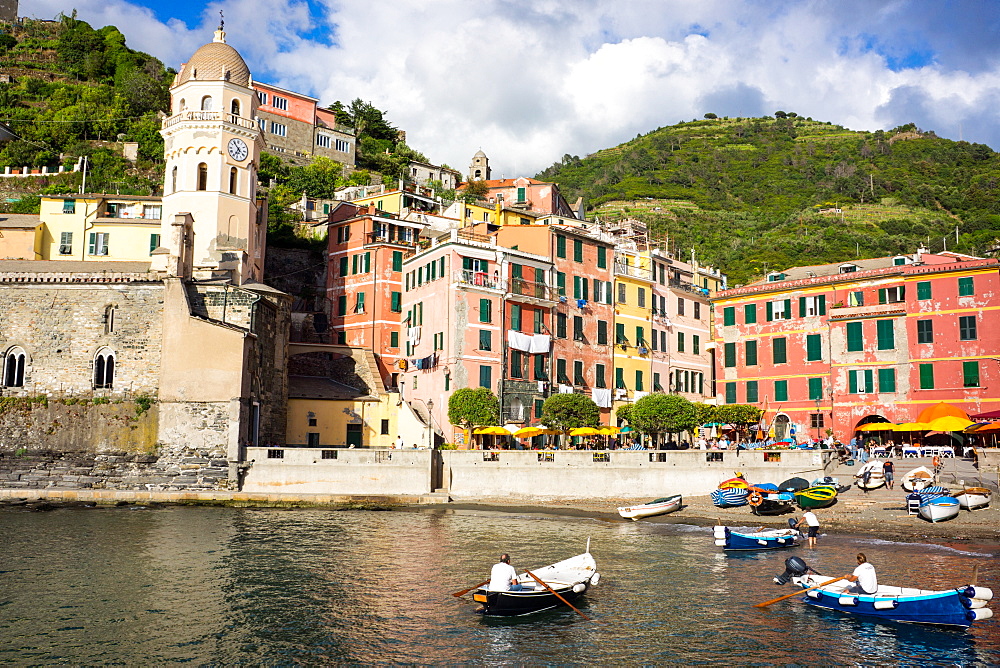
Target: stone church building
[(175, 365)]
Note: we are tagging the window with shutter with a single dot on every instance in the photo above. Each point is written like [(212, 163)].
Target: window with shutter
[(729, 316), (560, 246), (886, 380), (924, 290), (540, 373), (815, 389), (599, 376), (561, 325), (602, 332), (729, 355), (855, 340), (750, 314), (926, 376), (970, 374), (602, 257), (619, 378), (886, 335), (778, 350), (577, 250), (966, 287), (397, 302), (751, 391), (781, 390), (515, 317), (750, 351), (486, 376), (814, 347), (730, 393), (485, 311)]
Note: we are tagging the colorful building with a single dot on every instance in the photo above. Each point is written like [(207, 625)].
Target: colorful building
[(99, 227), (296, 129), (833, 346)]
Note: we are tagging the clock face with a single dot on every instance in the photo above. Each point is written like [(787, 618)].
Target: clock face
[(238, 149)]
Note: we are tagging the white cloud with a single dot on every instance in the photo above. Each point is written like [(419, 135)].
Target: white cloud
[(528, 81)]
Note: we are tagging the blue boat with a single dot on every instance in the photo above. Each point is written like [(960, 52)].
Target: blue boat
[(765, 539), (729, 498), (958, 607)]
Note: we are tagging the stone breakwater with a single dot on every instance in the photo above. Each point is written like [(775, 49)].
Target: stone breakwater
[(171, 469)]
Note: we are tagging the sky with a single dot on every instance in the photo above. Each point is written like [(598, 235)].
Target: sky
[(529, 81)]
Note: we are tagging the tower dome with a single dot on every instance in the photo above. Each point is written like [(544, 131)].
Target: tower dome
[(215, 61)]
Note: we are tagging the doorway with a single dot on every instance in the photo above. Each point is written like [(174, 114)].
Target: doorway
[(354, 435)]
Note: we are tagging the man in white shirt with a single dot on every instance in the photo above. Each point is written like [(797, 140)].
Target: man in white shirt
[(503, 577), (864, 579), (809, 519)]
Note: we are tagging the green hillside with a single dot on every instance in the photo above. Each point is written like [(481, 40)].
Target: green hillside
[(756, 194)]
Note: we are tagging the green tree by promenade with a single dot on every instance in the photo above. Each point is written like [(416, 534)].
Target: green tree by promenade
[(569, 411), (741, 416), (473, 407)]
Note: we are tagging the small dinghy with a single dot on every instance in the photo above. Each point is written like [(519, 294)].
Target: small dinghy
[(767, 500), (939, 508), (820, 496), (875, 475), (570, 578), (827, 481), (667, 504), (958, 607), (764, 539), (972, 498), (917, 479), (794, 485), (730, 498)]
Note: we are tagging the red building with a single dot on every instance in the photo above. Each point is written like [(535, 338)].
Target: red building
[(834, 346)]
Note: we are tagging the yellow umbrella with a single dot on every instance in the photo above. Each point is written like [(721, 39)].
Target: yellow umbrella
[(551, 432), (984, 427), (492, 431), (949, 423), (528, 432), (912, 426), (583, 431), (608, 431), (876, 426)]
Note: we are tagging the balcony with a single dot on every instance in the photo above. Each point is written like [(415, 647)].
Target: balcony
[(872, 311), (622, 269), (380, 238), (210, 116), (688, 287), (478, 279), (532, 291)]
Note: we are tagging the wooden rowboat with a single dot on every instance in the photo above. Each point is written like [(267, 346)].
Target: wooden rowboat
[(917, 479), (765, 539), (570, 578), (939, 509), (972, 498), (662, 506), (816, 497)]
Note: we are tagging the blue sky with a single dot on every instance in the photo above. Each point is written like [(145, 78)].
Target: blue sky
[(531, 80)]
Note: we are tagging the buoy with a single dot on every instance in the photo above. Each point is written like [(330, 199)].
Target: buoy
[(985, 593), (720, 532), (812, 594), (848, 600), (979, 614), (755, 499), (761, 541), (886, 604), (594, 579), (721, 542), (579, 587)]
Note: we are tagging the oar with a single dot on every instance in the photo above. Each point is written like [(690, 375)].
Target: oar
[(459, 594), (796, 593), (975, 575), (553, 591)]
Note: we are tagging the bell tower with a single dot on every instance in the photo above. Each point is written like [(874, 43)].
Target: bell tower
[(479, 169), (212, 148)]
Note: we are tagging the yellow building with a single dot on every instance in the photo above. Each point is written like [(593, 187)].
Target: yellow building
[(633, 322), (95, 227)]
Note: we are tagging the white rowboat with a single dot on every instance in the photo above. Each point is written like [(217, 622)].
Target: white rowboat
[(658, 507)]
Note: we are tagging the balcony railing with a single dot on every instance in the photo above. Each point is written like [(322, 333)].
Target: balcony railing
[(689, 287), (383, 238), (523, 288), (479, 279), (623, 269), (214, 116)]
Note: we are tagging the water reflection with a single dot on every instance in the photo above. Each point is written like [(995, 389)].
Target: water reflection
[(316, 587)]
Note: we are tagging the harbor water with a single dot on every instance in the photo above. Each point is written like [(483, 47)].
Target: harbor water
[(239, 586)]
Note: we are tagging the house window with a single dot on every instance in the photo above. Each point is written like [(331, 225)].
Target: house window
[(602, 332), (926, 376), (560, 246), (680, 342), (561, 319), (966, 287), (577, 250), (485, 376), (642, 297), (233, 180), (323, 141), (104, 369), (279, 103), (886, 334), (561, 376), (814, 347), (680, 306), (602, 257), (396, 302), (857, 298), (779, 353), (730, 393), (619, 378), (279, 129), (515, 317), (485, 311), (781, 390), (521, 195), (206, 103), (925, 331), (861, 381), (599, 376), (202, 176), (65, 243), (751, 391), (343, 146), (697, 310), (970, 374), (578, 373), (394, 339), (98, 243), (638, 380), (173, 180), (516, 364), (69, 206), (967, 328), (924, 290), (359, 303), (13, 368), (262, 97), (749, 314), (886, 380), (751, 353), (891, 295), (855, 339), (577, 328), (816, 421), (109, 320), (620, 338), (810, 306), (540, 372), (815, 389), (729, 353), (779, 310), (695, 344), (621, 293)]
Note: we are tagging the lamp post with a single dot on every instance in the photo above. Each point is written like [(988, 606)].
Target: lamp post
[(430, 423)]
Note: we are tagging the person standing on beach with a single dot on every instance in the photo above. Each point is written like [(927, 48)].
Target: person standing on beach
[(887, 469), (809, 519)]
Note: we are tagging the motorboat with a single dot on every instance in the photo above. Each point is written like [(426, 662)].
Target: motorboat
[(762, 539), (667, 504), (570, 579)]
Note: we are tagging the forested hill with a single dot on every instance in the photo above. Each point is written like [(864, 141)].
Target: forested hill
[(757, 194)]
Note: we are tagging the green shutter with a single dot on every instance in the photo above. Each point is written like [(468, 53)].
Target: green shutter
[(814, 347), (486, 376), (394, 339), (560, 246), (822, 304), (852, 382), (751, 391), (368, 262), (886, 336), (577, 294), (92, 244), (680, 342), (638, 380), (583, 287), (886, 380), (484, 311), (485, 339), (620, 333), (729, 316), (751, 353), (802, 307), (354, 264), (729, 354), (602, 332), (342, 305), (779, 351), (730, 393), (855, 340), (607, 293), (788, 309), (924, 290), (397, 302), (441, 266), (154, 242), (577, 250), (926, 376), (515, 317), (640, 336), (869, 381), (966, 288), (561, 283), (602, 257), (750, 314), (619, 378), (695, 344), (397, 260), (882, 298), (815, 389), (970, 374), (540, 368), (343, 266), (781, 390), (770, 311)]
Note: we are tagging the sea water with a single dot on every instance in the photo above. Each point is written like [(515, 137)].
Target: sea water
[(238, 586)]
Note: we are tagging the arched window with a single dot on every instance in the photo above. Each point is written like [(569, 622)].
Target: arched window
[(109, 320), (233, 180), (183, 105), (173, 179), (236, 107), (104, 369), (206, 103), (781, 427), (202, 176), (13, 368)]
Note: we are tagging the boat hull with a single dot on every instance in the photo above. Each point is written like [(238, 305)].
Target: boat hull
[(940, 509), (729, 498), (651, 509), (570, 578), (974, 498), (770, 539), (951, 607), (917, 479), (819, 496)]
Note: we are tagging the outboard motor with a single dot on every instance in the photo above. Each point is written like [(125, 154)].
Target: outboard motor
[(794, 567)]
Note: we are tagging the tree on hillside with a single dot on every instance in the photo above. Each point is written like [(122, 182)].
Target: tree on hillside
[(473, 407), (475, 191), (569, 411)]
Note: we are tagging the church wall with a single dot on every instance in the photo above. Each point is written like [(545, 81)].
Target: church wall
[(62, 327)]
